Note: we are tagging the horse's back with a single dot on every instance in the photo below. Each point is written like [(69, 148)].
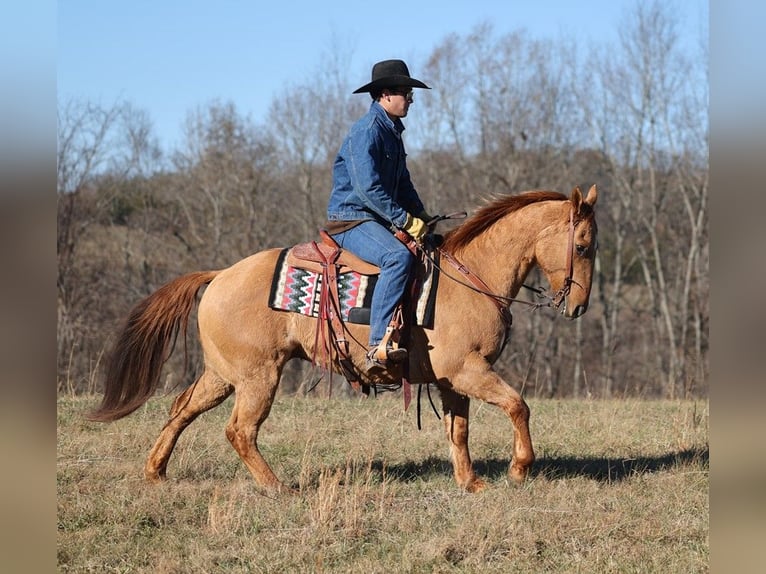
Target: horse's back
[(234, 313), (247, 280)]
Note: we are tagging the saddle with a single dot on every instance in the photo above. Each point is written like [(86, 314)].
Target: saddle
[(328, 259), (314, 256)]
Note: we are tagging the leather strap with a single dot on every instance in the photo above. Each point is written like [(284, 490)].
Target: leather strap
[(330, 327), (558, 299), (479, 283)]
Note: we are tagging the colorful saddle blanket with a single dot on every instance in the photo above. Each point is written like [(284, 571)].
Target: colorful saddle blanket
[(298, 290)]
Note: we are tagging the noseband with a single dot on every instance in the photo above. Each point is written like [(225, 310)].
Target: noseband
[(562, 293)]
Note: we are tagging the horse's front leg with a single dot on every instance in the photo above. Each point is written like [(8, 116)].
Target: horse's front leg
[(456, 409), (478, 380)]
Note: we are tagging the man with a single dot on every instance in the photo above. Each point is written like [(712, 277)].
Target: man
[(373, 195)]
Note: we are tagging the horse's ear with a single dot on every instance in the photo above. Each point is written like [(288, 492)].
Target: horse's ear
[(576, 199), (592, 196)]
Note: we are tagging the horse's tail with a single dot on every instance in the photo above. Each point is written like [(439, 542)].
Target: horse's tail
[(145, 343)]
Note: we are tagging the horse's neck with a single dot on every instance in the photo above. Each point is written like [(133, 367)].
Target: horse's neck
[(504, 254)]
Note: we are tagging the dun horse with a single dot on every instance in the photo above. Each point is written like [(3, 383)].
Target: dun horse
[(246, 343)]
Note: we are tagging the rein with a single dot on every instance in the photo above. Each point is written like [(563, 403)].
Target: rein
[(478, 285), (500, 301)]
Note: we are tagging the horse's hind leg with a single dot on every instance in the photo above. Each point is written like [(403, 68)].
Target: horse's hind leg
[(456, 410), (252, 406), (207, 392)]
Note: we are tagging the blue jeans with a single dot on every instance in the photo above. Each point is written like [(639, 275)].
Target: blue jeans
[(376, 244)]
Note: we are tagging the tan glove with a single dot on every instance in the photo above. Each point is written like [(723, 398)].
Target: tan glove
[(415, 227)]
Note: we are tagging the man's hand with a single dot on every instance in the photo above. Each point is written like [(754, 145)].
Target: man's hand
[(415, 227)]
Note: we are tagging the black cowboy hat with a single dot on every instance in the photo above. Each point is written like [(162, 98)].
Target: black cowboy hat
[(391, 74)]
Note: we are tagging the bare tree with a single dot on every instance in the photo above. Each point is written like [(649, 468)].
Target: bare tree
[(507, 113), (638, 120), (226, 186), (96, 146), (308, 123)]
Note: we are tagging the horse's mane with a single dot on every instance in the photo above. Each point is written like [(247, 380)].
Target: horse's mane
[(490, 213)]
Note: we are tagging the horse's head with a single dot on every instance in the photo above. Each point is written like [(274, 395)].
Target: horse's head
[(566, 253)]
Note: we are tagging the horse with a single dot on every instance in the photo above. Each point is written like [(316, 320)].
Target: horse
[(246, 343)]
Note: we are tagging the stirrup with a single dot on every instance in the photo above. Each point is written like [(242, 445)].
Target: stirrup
[(380, 356)]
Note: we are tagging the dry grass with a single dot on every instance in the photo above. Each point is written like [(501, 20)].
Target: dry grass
[(620, 486)]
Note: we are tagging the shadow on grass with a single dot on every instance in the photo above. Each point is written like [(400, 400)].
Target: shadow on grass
[(616, 469), (594, 468)]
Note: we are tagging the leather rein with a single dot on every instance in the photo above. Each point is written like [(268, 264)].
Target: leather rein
[(502, 302)]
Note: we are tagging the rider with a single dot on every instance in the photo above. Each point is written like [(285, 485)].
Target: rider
[(373, 196)]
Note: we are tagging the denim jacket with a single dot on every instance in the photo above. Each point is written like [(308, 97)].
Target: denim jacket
[(370, 176)]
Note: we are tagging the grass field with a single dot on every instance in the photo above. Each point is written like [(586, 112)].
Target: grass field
[(619, 486)]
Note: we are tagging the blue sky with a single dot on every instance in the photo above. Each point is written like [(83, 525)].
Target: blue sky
[(170, 56)]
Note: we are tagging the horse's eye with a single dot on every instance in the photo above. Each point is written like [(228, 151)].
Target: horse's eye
[(582, 250)]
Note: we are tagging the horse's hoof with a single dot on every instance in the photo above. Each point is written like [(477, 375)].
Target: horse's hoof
[(277, 490), (288, 490), (155, 477), (518, 475), (476, 485)]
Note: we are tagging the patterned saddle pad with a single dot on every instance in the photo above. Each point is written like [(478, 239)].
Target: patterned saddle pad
[(298, 290)]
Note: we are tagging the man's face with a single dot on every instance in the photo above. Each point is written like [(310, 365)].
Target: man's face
[(396, 101)]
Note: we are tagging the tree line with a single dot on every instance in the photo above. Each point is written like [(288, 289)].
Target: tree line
[(507, 113)]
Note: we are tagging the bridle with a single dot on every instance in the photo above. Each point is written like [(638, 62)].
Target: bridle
[(500, 301), (562, 293)]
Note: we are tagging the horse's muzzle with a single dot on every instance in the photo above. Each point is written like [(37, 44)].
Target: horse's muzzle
[(579, 311)]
